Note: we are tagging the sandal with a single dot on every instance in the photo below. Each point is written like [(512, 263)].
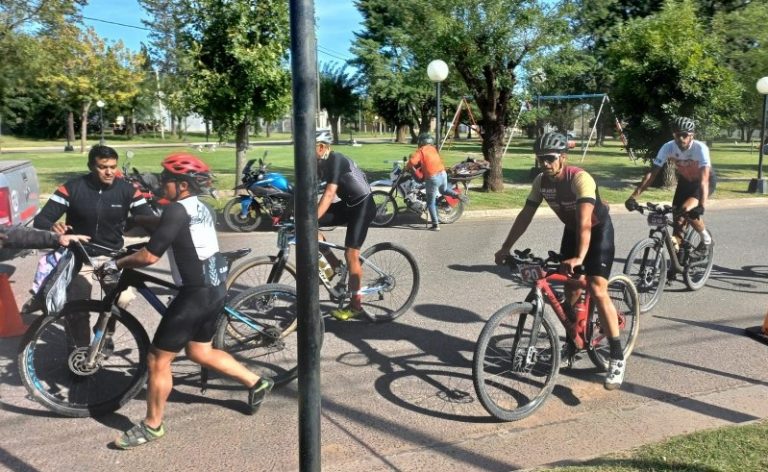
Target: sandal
[(139, 434)]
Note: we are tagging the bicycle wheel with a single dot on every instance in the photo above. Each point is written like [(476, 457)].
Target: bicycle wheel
[(391, 278), (386, 208), (447, 214), (646, 266), (53, 367), (514, 372), (624, 297), (265, 338), (236, 221), (699, 266), (254, 271)]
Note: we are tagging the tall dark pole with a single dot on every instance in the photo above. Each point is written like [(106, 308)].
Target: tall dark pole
[(437, 116), (759, 185), (101, 121), (303, 67)]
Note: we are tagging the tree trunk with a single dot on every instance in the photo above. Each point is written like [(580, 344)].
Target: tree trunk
[(241, 148), (70, 129), (267, 130), (84, 125), (403, 134), (334, 120), (666, 178), (493, 140)]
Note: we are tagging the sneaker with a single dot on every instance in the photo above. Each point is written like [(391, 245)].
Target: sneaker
[(435, 227), (346, 313), (615, 375), (139, 434), (258, 393)]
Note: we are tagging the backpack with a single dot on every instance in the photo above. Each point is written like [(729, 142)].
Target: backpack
[(54, 273)]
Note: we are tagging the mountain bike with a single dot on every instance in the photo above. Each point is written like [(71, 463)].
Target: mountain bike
[(390, 274), (517, 356), (91, 358), (647, 264)]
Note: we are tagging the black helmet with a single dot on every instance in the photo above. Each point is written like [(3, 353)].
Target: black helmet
[(425, 138), (683, 124), (551, 143)]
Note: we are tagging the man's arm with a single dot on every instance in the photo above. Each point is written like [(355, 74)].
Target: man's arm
[(647, 179), (326, 199), (54, 208), (583, 236), (142, 258), (705, 171)]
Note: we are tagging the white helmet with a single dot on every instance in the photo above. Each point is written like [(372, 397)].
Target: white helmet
[(324, 137)]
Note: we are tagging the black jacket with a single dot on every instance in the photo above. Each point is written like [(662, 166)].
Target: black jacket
[(20, 237), (94, 209)]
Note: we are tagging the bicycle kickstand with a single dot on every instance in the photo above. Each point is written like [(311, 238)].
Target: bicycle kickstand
[(203, 380)]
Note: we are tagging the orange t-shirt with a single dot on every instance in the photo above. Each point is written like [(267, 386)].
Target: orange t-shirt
[(431, 163)]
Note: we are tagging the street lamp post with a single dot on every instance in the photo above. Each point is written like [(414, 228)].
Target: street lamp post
[(437, 71), (101, 104), (759, 185)]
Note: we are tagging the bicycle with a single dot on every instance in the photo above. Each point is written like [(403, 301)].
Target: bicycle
[(646, 263), (90, 358), (390, 275), (517, 356)]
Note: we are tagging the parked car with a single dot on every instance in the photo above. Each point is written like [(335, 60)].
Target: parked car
[(19, 193)]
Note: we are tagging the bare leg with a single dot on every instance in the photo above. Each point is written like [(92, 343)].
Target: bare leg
[(355, 275), (221, 361), (598, 287), (159, 385)]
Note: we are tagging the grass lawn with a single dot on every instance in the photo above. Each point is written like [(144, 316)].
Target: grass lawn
[(729, 449), (616, 174)]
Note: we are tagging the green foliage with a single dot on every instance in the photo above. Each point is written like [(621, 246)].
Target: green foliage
[(337, 95), (667, 65)]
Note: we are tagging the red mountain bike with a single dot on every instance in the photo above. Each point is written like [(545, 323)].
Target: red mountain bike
[(517, 356)]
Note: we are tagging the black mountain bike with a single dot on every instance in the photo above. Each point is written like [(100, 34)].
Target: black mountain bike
[(90, 358), (654, 260)]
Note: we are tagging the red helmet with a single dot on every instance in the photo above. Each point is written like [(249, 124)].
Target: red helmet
[(182, 166)]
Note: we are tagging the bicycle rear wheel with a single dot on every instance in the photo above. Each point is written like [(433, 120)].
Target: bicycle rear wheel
[(447, 214), (699, 265), (514, 372), (263, 336), (254, 271), (393, 292), (624, 297), (386, 208), (54, 370), (646, 266)]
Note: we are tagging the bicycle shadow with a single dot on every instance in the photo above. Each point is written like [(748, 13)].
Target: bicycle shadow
[(746, 279)]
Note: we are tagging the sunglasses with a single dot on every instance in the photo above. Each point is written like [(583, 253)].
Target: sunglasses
[(548, 158), (682, 135)]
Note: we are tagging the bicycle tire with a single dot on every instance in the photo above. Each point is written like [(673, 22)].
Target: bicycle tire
[(511, 386), (48, 363), (400, 284), (447, 214), (235, 221), (697, 269), (254, 271), (272, 305), (625, 299), (646, 266), (386, 208)]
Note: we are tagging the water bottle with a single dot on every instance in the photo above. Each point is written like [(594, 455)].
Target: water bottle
[(567, 308)]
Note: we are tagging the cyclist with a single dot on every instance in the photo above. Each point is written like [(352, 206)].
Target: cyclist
[(97, 205), (696, 178), (186, 231), (355, 207), (428, 160), (587, 238)]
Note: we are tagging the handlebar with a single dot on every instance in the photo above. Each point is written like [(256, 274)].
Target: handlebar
[(661, 210), (549, 265)]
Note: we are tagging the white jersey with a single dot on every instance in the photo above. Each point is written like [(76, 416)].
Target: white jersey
[(688, 163)]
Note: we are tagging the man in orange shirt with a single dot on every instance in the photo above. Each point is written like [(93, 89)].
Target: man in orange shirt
[(435, 177)]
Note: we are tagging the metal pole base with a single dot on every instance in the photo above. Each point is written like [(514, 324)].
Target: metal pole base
[(69, 148), (758, 186)]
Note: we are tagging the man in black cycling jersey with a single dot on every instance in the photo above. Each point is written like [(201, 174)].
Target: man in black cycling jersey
[(587, 238), (355, 208), (186, 230), (97, 205), (696, 179)]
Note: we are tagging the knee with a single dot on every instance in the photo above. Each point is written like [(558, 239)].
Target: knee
[(196, 353)]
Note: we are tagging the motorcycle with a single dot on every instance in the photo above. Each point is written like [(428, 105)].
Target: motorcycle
[(413, 192), (267, 193)]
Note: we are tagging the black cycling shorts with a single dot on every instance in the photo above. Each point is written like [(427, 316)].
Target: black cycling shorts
[(599, 259), (357, 218), (191, 316), (687, 189)]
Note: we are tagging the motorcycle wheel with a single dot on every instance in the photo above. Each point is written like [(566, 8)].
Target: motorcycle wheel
[(386, 208), (447, 214), (236, 221)]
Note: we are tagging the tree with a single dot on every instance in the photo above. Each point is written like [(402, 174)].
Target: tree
[(337, 95), (241, 50), (667, 65)]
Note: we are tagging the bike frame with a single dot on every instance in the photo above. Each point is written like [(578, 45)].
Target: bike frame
[(664, 233)]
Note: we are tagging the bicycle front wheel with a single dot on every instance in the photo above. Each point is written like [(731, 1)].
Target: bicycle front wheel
[(646, 266), (55, 370), (390, 281), (255, 271), (699, 266), (625, 300), (386, 208), (262, 333), (513, 370)]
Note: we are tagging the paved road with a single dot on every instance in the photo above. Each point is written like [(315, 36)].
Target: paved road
[(399, 396)]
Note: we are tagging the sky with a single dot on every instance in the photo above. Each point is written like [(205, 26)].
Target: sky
[(336, 20)]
